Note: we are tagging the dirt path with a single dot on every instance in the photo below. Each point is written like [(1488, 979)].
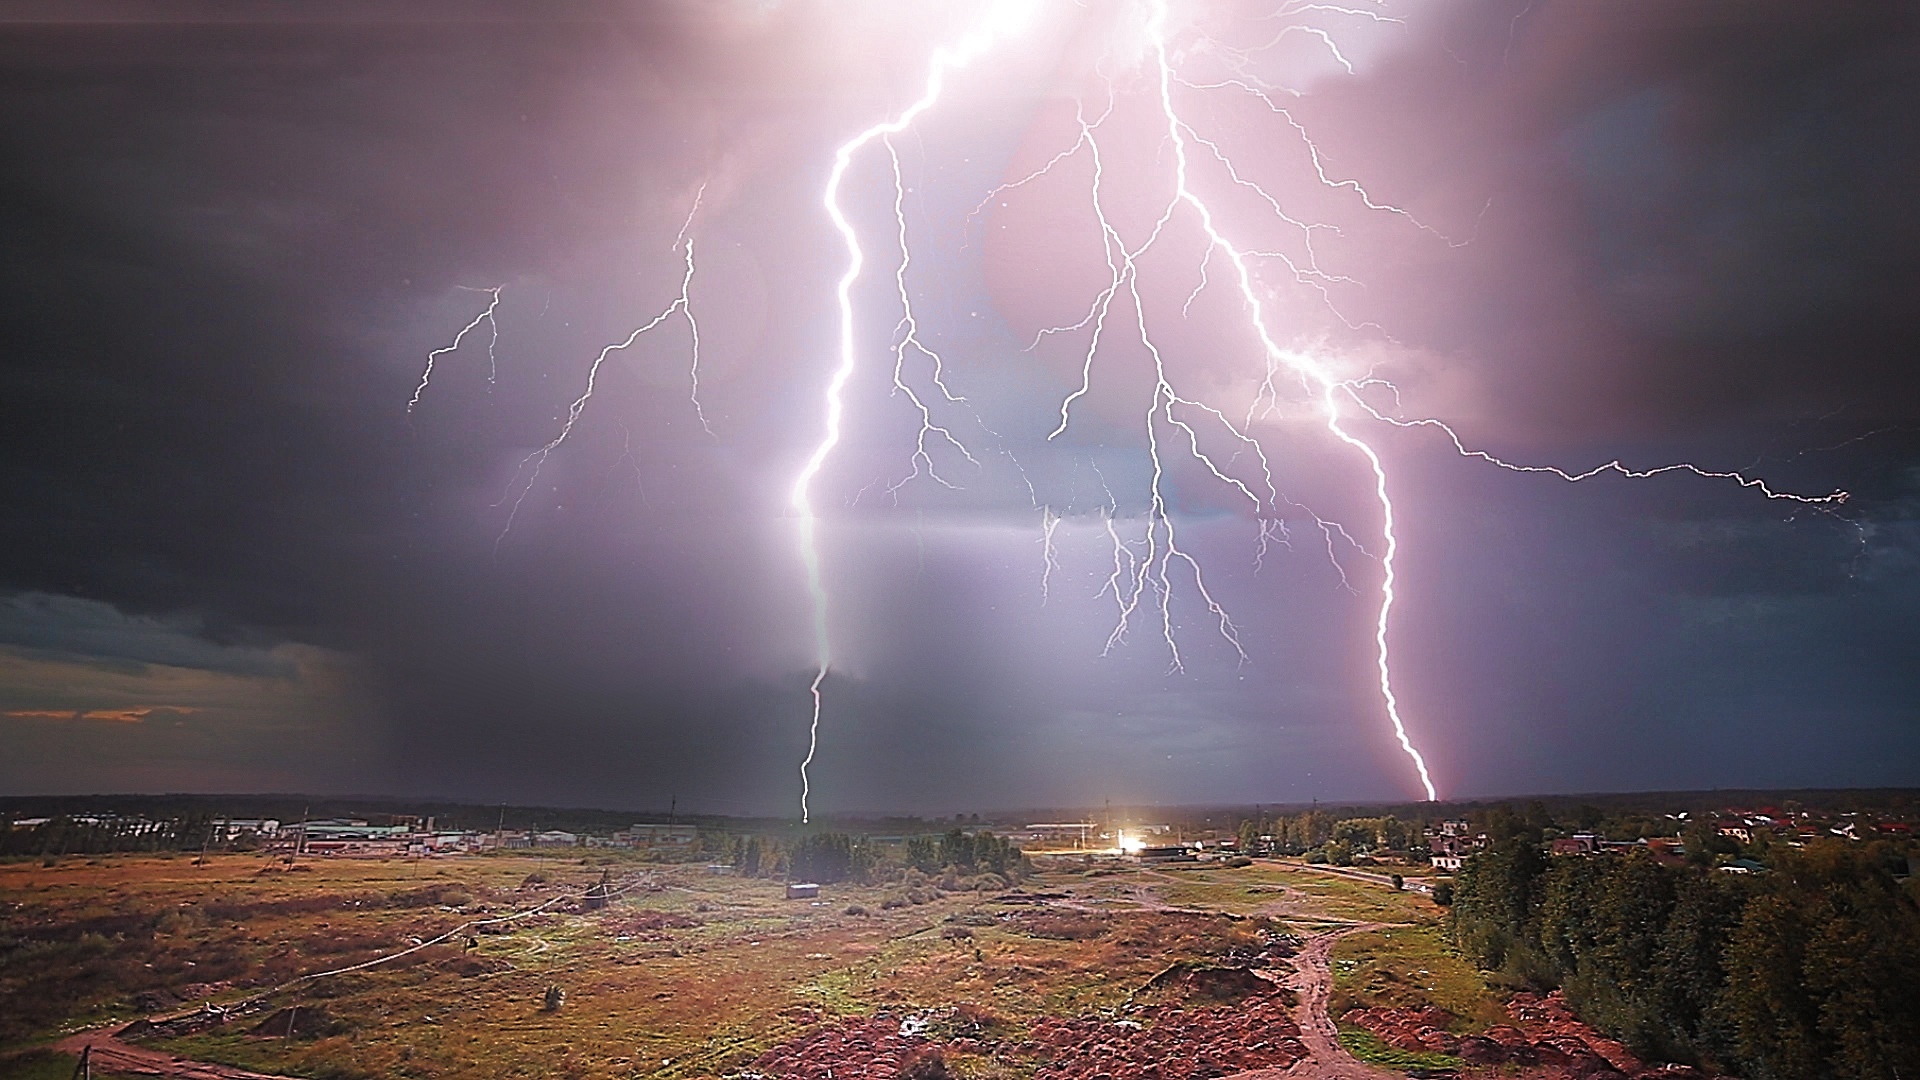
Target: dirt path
[(1313, 981), (112, 1055)]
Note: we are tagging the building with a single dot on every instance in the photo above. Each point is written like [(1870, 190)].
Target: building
[(1577, 844), (228, 829), (647, 837), (1076, 833)]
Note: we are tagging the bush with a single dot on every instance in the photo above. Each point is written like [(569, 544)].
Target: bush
[(858, 909), (925, 1064)]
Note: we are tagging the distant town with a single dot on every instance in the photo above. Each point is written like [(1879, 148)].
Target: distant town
[(1731, 837)]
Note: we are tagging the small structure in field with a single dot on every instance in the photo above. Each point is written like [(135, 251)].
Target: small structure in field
[(802, 890)]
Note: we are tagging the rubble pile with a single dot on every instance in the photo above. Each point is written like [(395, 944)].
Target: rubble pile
[(1561, 1041), (869, 1047), (1409, 1029), (1545, 1035), (1169, 1043)]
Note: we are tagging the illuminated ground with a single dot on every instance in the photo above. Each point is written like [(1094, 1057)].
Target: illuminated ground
[(687, 974)]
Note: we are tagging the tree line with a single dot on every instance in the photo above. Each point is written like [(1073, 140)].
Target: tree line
[(830, 857), (1810, 970)]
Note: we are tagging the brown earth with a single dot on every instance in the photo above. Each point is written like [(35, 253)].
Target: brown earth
[(1546, 1041), (107, 1053)]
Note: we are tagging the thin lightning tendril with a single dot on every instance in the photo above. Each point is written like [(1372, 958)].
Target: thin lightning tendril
[(945, 59), (682, 304), (486, 316), (1148, 560)]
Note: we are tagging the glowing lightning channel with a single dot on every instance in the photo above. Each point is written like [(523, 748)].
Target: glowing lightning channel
[(486, 316), (1003, 17), (682, 304), (1304, 366)]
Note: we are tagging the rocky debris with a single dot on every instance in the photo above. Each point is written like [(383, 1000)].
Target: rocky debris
[(1412, 1029), (205, 1018), (1545, 1034), (1157, 1042), (1171, 1044), (1561, 1041), (865, 1047), (1063, 925), (1274, 948)]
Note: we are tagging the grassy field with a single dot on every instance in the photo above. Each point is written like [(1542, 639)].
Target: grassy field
[(686, 975), (1410, 967)]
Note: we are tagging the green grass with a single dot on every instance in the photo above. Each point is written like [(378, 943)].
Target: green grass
[(1369, 1048), (1410, 967), (45, 1064)]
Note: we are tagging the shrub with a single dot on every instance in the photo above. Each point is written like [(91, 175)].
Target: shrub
[(925, 1064)]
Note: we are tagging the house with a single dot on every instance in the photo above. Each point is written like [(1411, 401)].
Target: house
[(1735, 828), (1577, 844)]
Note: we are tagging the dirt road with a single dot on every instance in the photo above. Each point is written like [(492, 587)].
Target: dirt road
[(1313, 980), (109, 1054)]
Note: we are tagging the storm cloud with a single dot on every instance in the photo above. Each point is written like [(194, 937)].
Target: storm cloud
[(232, 236)]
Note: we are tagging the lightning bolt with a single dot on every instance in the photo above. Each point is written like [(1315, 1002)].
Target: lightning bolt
[(1150, 565), (1140, 577), (1002, 17), (493, 339), (681, 305)]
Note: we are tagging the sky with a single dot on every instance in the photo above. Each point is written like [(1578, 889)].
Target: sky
[(247, 547)]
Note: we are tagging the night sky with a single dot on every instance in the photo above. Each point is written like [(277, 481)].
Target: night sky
[(231, 559)]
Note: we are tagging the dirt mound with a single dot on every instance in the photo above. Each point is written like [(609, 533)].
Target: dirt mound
[(1062, 925), (1548, 1037), (472, 966), (1169, 1043), (872, 1047), (1205, 983), (1409, 1029), (1560, 1041), (299, 1022)]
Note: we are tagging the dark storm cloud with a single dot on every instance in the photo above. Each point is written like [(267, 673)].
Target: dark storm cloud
[(231, 236), (1699, 212), (69, 628)]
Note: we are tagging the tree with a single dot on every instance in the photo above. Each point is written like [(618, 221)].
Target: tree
[(823, 857)]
